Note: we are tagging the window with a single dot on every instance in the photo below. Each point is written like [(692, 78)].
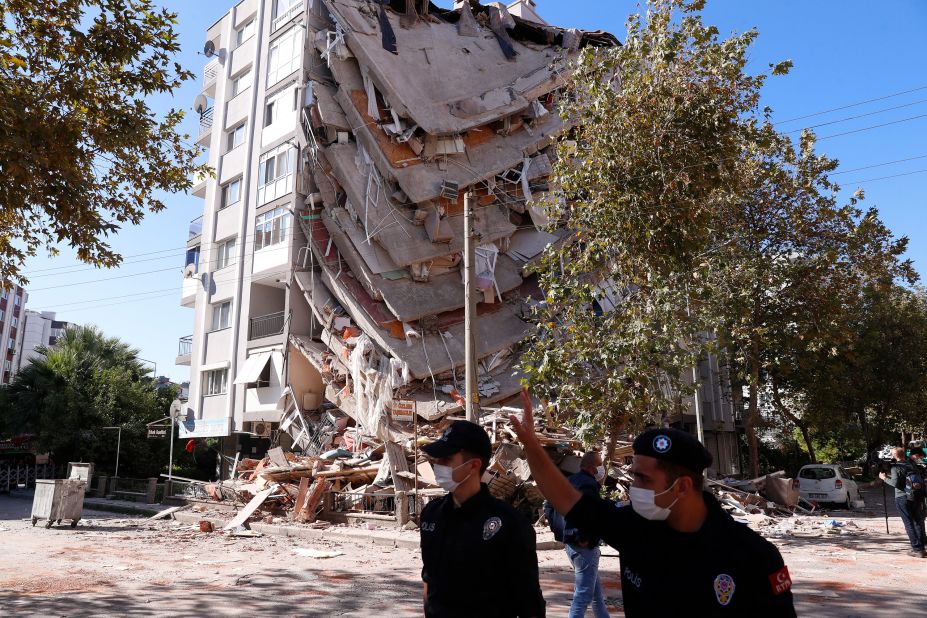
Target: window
[(245, 32), (221, 315), (2, 315), (193, 257), (817, 474), (275, 173), (215, 382), (10, 344), (231, 193), (282, 6), (236, 137), (271, 228), (279, 103), (241, 83), (17, 300), (5, 295), (14, 322), (227, 252), (7, 365), (284, 56)]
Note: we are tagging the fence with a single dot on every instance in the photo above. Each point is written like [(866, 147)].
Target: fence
[(15, 476), (266, 325), (400, 506)]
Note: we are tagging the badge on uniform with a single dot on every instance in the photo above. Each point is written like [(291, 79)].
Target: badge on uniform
[(724, 588), (491, 527), (662, 443)]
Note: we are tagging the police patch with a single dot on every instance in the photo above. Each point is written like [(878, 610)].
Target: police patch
[(491, 527), (662, 443), (724, 588)]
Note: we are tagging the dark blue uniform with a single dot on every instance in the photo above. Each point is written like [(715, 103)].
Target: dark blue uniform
[(724, 569), (479, 559)]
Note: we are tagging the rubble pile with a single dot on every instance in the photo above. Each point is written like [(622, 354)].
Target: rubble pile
[(409, 108)]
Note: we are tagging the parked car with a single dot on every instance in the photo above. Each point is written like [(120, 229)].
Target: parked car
[(827, 483)]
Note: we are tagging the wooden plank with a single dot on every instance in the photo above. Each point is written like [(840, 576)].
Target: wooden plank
[(167, 512), (301, 494), (313, 500), (250, 508), (347, 472), (398, 463)]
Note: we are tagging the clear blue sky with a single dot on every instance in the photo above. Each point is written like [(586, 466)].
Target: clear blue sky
[(845, 51)]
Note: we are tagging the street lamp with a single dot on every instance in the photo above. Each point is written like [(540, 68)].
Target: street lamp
[(118, 443)]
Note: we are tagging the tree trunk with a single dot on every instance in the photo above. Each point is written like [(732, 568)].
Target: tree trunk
[(614, 426), (753, 413), (792, 418), (807, 437)]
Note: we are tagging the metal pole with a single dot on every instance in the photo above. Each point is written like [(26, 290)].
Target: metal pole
[(170, 463), (118, 445), (473, 395), (698, 408)]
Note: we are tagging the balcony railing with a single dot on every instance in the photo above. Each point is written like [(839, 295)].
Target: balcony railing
[(286, 16), (206, 121), (185, 346), (196, 228), (266, 326), (211, 72)]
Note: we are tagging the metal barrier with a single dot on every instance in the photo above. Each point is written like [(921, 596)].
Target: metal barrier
[(185, 346), (148, 489), (21, 475), (266, 325)]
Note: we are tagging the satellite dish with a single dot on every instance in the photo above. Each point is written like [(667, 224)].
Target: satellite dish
[(176, 407), (209, 50), (200, 103), (189, 271)]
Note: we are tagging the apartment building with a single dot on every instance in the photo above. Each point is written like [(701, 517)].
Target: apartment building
[(241, 251), (39, 329), (12, 313)]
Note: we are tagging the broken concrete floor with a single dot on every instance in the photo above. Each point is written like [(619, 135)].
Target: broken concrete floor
[(120, 566)]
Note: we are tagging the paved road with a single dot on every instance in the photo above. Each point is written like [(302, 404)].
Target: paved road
[(112, 566)]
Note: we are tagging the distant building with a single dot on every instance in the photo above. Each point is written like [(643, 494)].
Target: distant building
[(39, 329), (12, 309)]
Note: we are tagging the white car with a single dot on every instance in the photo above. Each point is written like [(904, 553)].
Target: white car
[(827, 483)]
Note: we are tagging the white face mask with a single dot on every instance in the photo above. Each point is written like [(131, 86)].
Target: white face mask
[(642, 501), (444, 476), (600, 473)]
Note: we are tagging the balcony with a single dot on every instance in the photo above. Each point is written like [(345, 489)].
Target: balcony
[(200, 180), (210, 77), (284, 18), (205, 135), (196, 228), (266, 326), (185, 350)]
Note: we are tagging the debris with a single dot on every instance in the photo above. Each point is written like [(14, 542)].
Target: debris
[(206, 526), (252, 506), (167, 512), (316, 553)]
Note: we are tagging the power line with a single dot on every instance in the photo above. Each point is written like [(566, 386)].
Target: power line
[(876, 126), (859, 182), (835, 109), (848, 118), (866, 167)]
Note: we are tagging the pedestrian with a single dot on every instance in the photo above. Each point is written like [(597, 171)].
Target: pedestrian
[(680, 553), (910, 507), (479, 556), (582, 548)]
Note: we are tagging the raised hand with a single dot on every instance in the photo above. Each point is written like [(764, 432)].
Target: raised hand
[(524, 428)]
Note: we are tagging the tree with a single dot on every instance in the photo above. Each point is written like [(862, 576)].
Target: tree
[(653, 160), (81, 153), (86, 382), (687, 213)]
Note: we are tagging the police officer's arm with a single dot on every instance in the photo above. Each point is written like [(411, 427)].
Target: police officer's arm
[(525, 583), (774, 584), (556, 488)]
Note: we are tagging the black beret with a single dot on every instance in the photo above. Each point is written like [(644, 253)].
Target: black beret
[(675, 446)]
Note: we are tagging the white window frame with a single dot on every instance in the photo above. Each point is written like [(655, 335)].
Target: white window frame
[(271, 228), (221, 316), (245, 32), (241, 82), (272, 183), (14, 322), (17, 300), (215, 382), (10, 344), (7, 366), (235, 137), (227, 193), (226, 253), (2, 314), (284, 56)]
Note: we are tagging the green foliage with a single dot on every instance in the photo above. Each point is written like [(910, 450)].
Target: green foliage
[(81, 153), (87, 382), (687, 213)]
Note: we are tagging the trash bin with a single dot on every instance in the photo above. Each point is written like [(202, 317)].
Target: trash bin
[(57, 499)]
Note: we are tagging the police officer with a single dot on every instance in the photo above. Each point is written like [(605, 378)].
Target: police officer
[(681, 554), (478, 553)]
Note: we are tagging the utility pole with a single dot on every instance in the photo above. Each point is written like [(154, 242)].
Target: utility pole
[(118, 444), (472, 378)]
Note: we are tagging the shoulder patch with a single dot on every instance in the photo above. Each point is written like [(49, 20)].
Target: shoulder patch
[(780, 581), (491, 527), (724, 588)]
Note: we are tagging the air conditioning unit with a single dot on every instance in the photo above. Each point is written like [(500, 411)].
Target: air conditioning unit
[(261, 429)]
